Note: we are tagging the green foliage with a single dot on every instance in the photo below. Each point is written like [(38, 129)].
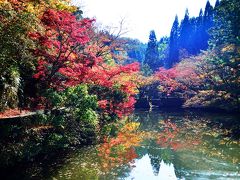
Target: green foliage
[(135, 51), (146, 70), (152, 54), (14, 46), (9, 87), (226, 24), (74, 99), (221, 65), (16, 60), (110, 129), (163, 48), (74, 116)]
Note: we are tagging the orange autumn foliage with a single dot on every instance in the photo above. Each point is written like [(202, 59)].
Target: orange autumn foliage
[(171, 137), (120, 150)]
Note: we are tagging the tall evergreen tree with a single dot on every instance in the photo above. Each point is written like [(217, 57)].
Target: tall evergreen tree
[(207, 24), (217, 4), (173, 45), (192, 48), (192, 36), (184, 31), (199, 41), (163, 49), (152, 54)]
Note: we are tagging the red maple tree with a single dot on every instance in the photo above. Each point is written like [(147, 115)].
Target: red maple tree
[(68, 57)]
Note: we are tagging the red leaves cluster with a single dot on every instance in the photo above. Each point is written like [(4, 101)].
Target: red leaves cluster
[(124, 108), (181, 78), (68, 57), (102, 104), (107, 76), (61, 49), (64, 24), (168, 80), (110, 77)]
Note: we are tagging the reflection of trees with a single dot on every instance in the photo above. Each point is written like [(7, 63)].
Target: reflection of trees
[(227, 123), (219, 144), (155, 153), (120, 149), (155, 156), (155, 162), (147, 120), (193, 136), (200, 144)]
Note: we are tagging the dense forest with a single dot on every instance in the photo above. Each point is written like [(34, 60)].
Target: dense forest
[(83, 80), (199, 61)]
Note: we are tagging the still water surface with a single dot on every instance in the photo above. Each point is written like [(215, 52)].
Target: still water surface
[(156, 145)]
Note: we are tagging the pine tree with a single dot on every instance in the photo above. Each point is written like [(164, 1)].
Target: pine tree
[(191, 44), (152, 54), (184, 31), (216, 4), (173, 45), (199, 41), (207, 24), (163, 49)]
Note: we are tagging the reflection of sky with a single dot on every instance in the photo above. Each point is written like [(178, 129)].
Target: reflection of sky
[(143, 170)]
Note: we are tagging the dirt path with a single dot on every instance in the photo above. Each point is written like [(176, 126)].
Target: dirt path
[(14, 113)]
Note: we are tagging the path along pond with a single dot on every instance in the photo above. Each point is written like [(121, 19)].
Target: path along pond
[(155, 145)]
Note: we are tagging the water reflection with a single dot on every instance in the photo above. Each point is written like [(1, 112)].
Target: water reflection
[(158, 145), (143, 170)]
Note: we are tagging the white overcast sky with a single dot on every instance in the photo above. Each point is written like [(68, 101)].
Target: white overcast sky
[(140, 16)]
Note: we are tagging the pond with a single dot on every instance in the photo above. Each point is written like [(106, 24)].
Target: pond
[(154, 145)]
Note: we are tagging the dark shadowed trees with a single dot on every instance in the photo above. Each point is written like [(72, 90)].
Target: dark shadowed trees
[(152, 54), (173, 45)]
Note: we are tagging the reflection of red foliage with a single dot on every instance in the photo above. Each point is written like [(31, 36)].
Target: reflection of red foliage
[(171, 137), (119, 150), (131, 155)]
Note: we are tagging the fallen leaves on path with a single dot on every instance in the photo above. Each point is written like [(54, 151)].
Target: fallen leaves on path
[(13, 112)]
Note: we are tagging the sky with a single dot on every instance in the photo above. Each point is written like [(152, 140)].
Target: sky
[(140, 16)]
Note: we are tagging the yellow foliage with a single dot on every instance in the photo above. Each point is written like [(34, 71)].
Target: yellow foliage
[(38, 7), (228, 48), (119, 150), (130, 127)]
